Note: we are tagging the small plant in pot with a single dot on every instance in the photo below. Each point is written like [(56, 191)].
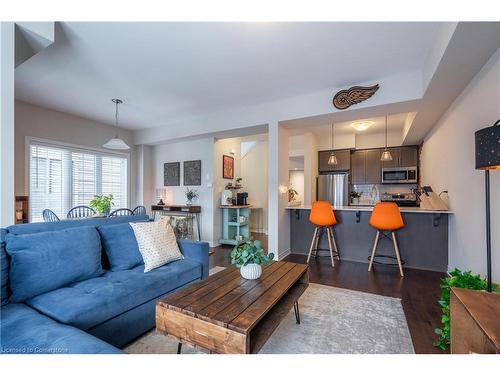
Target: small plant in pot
[(355, 196), (102, 204), (191, 194), (249, 257)]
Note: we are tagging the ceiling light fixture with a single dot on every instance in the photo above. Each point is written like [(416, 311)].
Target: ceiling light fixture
[(116, 143), (362, 125), (386, 155), (332, 160)]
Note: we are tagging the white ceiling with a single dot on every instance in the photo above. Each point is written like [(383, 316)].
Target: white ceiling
[(395, 123), (169, 71)]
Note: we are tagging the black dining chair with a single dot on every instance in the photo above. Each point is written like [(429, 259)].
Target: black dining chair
[(121, 212), (79, 212), (139, 210), (49, 216)]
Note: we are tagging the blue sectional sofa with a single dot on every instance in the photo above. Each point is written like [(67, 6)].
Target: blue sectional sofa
[(78, 286)]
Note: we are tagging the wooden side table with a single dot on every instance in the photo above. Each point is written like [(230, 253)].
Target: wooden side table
[(475, 321)]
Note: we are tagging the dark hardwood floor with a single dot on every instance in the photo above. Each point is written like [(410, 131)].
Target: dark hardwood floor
[(418, 289)]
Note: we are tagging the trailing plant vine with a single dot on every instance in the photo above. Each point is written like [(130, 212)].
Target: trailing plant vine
[(457, 279)]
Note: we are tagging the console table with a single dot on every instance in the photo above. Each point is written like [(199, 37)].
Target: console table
[(192, 212)]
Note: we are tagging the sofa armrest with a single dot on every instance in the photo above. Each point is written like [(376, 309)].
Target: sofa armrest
[(196, 250)]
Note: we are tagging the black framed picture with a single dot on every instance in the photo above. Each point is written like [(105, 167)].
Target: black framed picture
[(171, 174), (192, 173)]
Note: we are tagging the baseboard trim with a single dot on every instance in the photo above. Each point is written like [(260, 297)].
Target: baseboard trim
[(283, 254), (258, 231)]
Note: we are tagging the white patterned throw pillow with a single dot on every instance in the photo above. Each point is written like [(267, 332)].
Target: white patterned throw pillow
[(157, 243)]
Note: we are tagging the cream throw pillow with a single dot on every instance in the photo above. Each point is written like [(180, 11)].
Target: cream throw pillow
[(157, 243)]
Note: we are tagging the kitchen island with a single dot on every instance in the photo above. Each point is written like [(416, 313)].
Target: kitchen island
[(423, 242)]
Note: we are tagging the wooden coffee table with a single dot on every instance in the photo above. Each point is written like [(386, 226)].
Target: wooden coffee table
[(226, 313)]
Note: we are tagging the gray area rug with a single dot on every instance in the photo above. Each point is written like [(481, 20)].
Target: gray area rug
[(333, 321)]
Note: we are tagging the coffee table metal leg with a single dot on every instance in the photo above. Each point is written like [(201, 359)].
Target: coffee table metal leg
[(297, 312), (179, 348)]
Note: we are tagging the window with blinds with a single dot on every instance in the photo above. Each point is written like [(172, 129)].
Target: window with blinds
[(63, 177)]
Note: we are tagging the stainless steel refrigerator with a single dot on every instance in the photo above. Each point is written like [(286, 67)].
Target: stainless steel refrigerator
[(333, 188)]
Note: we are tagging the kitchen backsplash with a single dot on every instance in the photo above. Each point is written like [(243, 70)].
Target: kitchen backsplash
[(371, 193)]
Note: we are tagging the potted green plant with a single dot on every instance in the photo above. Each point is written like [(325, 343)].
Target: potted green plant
[(458, 279), (238, 181), (355, 196), (191, 194), (249, 257), (102, 204)]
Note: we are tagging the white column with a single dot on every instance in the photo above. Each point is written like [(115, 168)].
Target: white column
[(7, 59), (310, 168), (278, 219)]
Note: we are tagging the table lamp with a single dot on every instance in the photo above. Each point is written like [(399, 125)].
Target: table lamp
[(488, 158), (161, 194)]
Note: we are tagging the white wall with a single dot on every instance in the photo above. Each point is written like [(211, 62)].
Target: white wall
[(200, 149), (341, 141), (447, 163), (44, 123), (7, 37), (254, 172)]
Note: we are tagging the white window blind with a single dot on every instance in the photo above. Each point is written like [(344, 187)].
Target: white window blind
[(63, 177)]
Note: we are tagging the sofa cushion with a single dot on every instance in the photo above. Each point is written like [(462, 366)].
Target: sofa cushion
[(4, 270), (120, 245), (24, 330), (91, 302), (45, 261), (66, 224), (157, 243)]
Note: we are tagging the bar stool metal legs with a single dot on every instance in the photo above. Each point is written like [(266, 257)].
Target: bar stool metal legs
[(396, 251)]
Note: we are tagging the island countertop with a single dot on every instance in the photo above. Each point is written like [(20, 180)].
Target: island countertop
[(417, 210)]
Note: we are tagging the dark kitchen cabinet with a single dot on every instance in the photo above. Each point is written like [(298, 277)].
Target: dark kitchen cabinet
[(402, 157), (343, 161), (365, 167), (373, 167), (408, 156), (323, 162), (358, 167), (395, 159)]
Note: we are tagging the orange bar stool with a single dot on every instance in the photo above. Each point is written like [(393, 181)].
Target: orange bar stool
[(323, 217), (386, 217)]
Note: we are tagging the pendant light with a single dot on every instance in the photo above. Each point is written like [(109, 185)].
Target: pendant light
[(332, 160), (386, 155), (116, 143)]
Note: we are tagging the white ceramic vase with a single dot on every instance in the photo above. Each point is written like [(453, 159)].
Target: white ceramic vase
[(251, 271)]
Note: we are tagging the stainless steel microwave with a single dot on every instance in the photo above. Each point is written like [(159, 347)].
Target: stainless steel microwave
[(399, 175)]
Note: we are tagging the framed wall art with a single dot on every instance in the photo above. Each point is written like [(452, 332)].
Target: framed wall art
[(227, 167), (171, 174), (192, 173)]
